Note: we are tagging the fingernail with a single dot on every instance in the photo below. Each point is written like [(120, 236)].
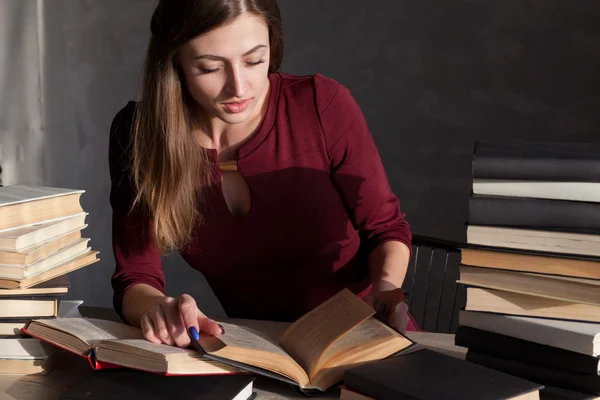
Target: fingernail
[(194, 333), (222, 329)]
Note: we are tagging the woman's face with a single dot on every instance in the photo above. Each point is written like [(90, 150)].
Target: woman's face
[(226, 69)]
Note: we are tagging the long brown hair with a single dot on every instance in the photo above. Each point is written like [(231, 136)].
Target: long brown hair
[(170, 171)]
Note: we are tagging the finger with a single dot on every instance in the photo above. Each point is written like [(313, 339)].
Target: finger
[(207, 325), (177, 328), (188, 311), (160, 326), (399, 318), (148, 330)]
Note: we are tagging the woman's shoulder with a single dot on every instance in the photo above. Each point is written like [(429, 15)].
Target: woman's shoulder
[(317, 88), (120, 129)]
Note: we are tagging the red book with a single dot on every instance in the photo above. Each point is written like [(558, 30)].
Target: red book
[(108, 344)]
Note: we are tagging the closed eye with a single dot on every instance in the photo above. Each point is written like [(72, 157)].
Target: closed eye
[(212, 70), (255, 63)]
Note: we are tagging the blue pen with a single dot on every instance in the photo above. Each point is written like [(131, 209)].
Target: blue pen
[(195, 336)]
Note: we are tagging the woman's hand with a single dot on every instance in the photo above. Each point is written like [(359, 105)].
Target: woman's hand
[(169, 320), (390, 307)]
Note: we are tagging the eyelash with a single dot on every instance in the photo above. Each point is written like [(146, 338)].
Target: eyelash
[(252, 64)]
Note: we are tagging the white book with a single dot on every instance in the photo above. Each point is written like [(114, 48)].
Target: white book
[(22, 205), (573, 191), (19, 272), (579, 337), (19, 239), (16, 194), (24, 349), (532, 239)]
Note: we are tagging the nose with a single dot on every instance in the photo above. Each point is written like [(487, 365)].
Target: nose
[(236, 82)]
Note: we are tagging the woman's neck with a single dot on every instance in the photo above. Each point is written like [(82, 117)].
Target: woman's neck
[(227, 138)]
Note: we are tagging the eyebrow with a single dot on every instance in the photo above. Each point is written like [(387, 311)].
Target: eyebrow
[(217, 58)]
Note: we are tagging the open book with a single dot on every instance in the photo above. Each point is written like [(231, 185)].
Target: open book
[(314, 351), (109, 344)]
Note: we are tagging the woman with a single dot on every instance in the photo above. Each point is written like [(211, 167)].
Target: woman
[(269, 184)]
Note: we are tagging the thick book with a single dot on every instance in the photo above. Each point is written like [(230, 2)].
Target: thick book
[(66, 254), (10, 328), (510, 260), (579, 337), (534, 240), (88, 258), (109, 344), (544, 214), (25, 356), (313, 352), (570, 191), (537, 373), (503, 302), (128, 385), (57, 286), (555, 393), (39, 366), (543, 161), (31, 255), (19, 307), (429, 375), (23, 239), (575, 290), (482, 341), (22, 205)]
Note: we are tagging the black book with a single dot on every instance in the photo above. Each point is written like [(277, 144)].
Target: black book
[(537, 373), (544, 161), (129, 384), (530, 213), (495, 344), (426, 374), (554, 393)]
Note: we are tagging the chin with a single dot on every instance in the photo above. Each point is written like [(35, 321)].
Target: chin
[(234, 118)]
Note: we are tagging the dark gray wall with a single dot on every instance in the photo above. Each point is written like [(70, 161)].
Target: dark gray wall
[(431, 77)]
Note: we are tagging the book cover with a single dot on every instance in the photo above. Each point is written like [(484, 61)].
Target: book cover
[(429, 375), (544, 161)]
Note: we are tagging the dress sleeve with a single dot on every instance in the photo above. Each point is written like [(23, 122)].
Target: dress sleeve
[(356, 168), (137, 259)]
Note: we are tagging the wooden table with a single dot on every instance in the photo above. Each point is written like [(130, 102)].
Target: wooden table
[(71, 369)]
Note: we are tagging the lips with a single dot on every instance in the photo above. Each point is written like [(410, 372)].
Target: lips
[(237, 106)]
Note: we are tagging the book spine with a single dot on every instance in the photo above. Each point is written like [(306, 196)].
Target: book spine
[(536, 169), (538, 374), (498, 345), (518, 212), (545, 161)]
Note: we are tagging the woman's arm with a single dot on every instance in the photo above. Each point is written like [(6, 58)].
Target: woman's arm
[(138, 300), (387, 265), (358, 173)]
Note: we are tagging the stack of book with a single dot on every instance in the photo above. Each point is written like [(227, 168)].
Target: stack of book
[(40, 243), (531, 265)]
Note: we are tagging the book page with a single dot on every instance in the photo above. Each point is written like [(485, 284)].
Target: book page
[(272, 330), (248, 338), (309, 337), (370, 331), (92, 330), (16, 194), (128, 346), (142, 354), (255, 347)]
